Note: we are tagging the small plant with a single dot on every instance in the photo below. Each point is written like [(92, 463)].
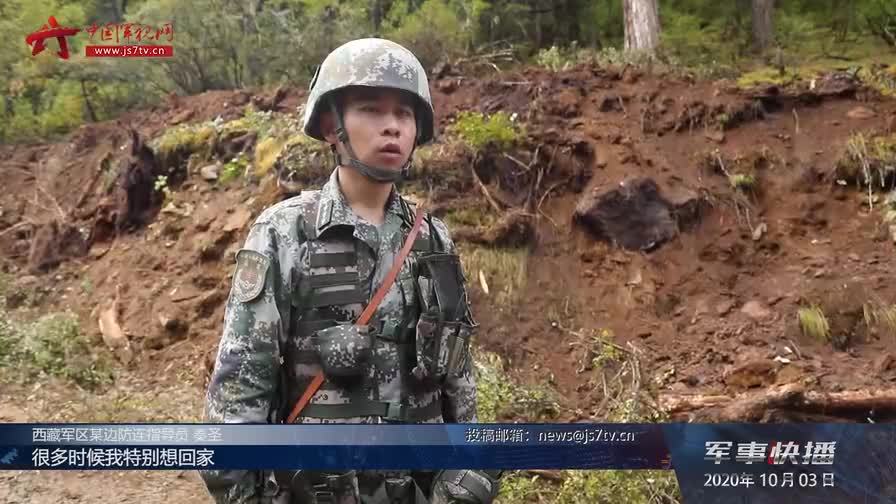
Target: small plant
[(814, 323), (234, 169), (869, 161), (175, 146), (8, 337), (161, 185), (52, 345), (87, 286), (498, 397), (552, 59), (478, 130), (878, 313), (742, 181), (886, 316), (607, 351), (599, 346), (723, 119), (469, 216)]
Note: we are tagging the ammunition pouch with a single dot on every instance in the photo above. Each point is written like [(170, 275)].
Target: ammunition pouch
[(444, 327), (344, 350), (394, 490), (320, 488), (465, 486), (442, 348)]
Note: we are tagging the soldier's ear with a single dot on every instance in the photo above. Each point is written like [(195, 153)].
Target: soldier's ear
[(328, 127)]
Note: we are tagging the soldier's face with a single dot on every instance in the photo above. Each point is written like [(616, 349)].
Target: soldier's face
[(380, 124)]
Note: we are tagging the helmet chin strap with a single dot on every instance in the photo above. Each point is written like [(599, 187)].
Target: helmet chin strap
[(381, 175)]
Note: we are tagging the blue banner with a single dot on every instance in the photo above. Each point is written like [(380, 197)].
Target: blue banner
[(334, 447), (714, 463)]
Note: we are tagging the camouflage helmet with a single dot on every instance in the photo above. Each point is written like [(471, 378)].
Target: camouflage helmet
[(371, 62)]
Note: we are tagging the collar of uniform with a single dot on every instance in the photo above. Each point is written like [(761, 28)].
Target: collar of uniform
[(334, 210)]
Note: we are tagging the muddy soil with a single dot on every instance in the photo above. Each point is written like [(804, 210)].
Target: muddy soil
[(708, 310)]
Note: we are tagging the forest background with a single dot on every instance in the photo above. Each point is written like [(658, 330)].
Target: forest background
[(227, 44)]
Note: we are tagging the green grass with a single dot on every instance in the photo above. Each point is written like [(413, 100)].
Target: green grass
[(234, 169), (504, 271), (469, 216), (869, 160), (499, 397), (814, 323), (742, 181), (478, 130), (177, 144), (52, 345)]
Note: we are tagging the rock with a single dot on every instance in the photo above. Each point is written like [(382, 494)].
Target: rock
[(26, 281), (759, 231), (447, 86), (837, 84), (111, 331), (861, 113), (173, 327), (716, 136), (702, 307), (237, 220), (751, 373), (755, 310), (210, 172), (725, 307), (854, 257), (170, 323), (789, 374), (884, 363), (636, 216)]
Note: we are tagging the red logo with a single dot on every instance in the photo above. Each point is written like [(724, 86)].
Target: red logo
[(51, 30)]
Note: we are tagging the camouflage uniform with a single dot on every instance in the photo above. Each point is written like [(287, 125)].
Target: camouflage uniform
[(262, 319), (308, 269)]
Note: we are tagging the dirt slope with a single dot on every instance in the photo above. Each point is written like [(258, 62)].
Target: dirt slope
[(708, 311)]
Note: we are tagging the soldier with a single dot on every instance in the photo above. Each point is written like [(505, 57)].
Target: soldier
[(310, 266)]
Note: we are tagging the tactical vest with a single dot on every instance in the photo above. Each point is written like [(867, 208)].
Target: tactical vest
[(331, 292)]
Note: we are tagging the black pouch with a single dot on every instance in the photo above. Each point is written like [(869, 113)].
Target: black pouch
[(320, 488), (447, 285), (444, 328)]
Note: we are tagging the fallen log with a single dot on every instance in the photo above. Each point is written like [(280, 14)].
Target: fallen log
[(786, 401)]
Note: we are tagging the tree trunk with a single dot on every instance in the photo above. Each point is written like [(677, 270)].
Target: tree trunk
[(763, 24), (91, 113), (376, 16), (642, 25), (571, 21), (538, 34)]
